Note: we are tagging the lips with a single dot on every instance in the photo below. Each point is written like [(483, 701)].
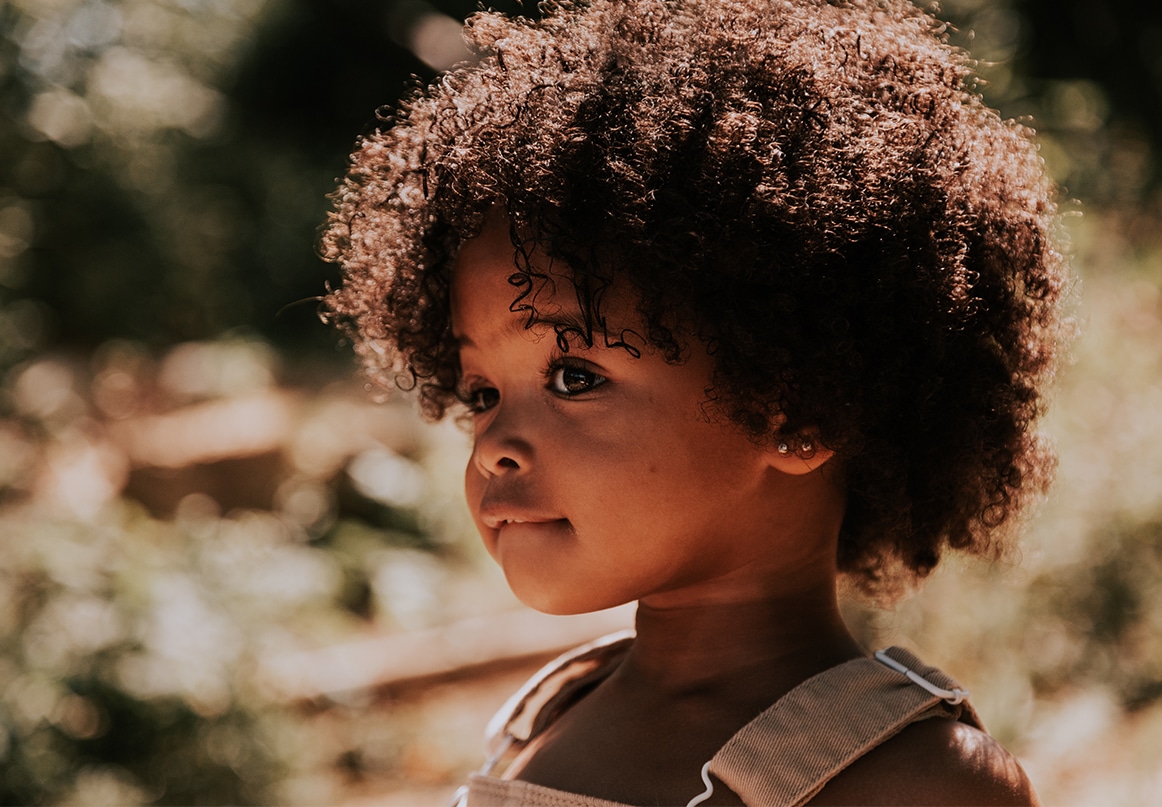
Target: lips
[(496, 513), (496, 521)]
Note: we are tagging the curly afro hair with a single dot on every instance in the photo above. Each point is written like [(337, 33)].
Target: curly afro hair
[(867, 250)]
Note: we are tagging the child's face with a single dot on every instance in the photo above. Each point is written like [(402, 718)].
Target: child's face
[(597, 478)]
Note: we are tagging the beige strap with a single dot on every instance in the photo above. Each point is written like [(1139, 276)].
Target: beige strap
[(789, 752), (553, 688)]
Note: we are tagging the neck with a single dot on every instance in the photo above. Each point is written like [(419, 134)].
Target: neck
[(763, 645)]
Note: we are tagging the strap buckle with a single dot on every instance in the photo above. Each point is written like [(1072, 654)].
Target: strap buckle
[(952, 696)]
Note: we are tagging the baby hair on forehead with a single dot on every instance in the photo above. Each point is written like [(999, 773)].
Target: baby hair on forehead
[(813, 189), (589, 324)]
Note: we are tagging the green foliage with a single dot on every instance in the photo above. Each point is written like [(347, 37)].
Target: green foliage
[(1111, 607), (166, 165), (1084, 73), (151, 570), (117, 650)]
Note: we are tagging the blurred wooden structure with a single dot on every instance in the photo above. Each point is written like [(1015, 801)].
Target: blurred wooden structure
[(418, 658)]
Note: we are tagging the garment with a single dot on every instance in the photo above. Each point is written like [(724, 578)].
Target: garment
[(846, 710)]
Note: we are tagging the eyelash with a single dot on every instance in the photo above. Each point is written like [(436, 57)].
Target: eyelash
[(481, 399), (559, 365), (474, 399)]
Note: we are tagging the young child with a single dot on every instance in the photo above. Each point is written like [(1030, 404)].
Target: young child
[(742, 298)]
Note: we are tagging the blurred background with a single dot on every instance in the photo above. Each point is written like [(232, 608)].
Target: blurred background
[(227, 576)]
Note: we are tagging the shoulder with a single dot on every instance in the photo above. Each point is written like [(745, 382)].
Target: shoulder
[(933, 762)]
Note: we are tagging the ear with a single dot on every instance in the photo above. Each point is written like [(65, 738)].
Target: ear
[(798, 454)]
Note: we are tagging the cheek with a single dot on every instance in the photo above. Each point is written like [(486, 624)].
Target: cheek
[(473, 480), (474, 483)]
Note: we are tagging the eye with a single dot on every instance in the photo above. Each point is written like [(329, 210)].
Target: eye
[(571, 379), (480, 399)]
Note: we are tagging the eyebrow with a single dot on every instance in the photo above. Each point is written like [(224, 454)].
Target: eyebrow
[(563, 322)]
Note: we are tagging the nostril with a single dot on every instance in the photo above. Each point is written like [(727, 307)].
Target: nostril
[(507, 462)]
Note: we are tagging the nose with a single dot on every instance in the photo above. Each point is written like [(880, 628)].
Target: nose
[(499, 446)]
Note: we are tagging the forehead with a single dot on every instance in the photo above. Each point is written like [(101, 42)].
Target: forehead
[(483, 292), (491, 292)]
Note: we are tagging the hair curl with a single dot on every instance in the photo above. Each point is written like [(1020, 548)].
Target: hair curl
[(868, 251)]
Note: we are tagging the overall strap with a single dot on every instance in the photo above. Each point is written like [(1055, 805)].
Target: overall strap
[(789, 752), (530, 711), (552, 690)]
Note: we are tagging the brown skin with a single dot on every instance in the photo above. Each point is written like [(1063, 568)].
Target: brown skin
[(933, 762), (637, 721), (599, 478), (624, 487)]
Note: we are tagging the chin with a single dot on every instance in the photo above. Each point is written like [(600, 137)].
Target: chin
[(555, 602)]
